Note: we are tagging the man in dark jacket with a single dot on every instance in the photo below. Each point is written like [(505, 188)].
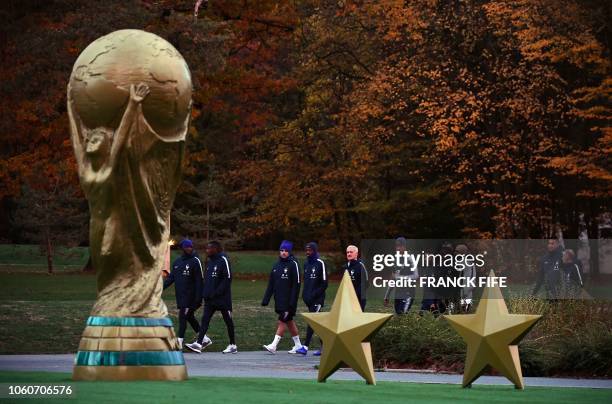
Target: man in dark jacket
[(435, 298), (187, 276), (404, 296), (549, 272), (217, 294), (284, 285), (358, 273), (315, 284)]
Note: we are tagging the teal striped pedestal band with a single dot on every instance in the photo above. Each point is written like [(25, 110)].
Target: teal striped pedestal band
[(129, 321), (129, 358)]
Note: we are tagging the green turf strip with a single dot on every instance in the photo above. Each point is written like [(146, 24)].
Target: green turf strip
[(24, 257), (252, 390)]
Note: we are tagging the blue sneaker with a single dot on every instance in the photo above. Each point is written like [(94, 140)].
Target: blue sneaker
[(302, 351), (317, 353)]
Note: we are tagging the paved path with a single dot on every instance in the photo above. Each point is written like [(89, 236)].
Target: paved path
[(283, 365)]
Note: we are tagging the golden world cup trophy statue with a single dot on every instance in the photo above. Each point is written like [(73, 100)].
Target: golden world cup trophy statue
[(129, 105)]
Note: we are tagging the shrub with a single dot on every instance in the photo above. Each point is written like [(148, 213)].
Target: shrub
[(574, 337), (418, 341)]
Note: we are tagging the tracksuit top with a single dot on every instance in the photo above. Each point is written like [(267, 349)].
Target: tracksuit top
[(402, 272), (359, 277), (284, 285), (549, 273), (572, 274), (315, 281), (187, 276), (217, 289)]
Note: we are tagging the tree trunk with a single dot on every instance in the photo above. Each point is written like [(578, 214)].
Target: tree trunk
[(49, 252), (207, 220), (593, 231), (208, 206), (88, 267)]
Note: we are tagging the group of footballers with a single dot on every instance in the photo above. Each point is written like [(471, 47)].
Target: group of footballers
[(193, 284)]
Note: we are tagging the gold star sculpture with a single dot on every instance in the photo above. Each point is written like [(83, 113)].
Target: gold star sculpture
[(492, 336), (346, 332)]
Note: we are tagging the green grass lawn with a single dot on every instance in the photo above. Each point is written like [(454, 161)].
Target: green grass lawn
[(32, 258), (24, 256), (59, 304), (49, 312), (251, 390)]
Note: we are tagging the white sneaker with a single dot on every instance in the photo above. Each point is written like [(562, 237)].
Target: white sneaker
[(206, 343), (294, 349), (231, 348), (270, 348), (195, 347)]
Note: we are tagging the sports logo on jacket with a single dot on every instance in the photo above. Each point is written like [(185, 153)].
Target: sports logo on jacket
[(285, 274), (186, 271)]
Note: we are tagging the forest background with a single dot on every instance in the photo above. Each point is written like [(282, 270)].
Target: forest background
[(334, 120)]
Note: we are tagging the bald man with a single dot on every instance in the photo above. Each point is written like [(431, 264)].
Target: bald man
[(358, 274)]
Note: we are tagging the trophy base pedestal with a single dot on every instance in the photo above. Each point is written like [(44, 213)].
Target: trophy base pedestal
[(129, 348)]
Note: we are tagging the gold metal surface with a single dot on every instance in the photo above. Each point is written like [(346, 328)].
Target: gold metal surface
[(492, 336), (126, 344), (103, 72), (346, 332), (130, 332), (123, 373), (129, 106), (129, 100)]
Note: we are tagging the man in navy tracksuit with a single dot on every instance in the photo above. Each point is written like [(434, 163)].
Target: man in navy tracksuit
[(217, 294), (187, 276), (284, 284), (434, 297), (404, 296), (358, 273), (315, 284), (549, 273)]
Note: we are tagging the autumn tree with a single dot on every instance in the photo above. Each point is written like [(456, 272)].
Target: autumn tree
[(456, 72), (225, 47), (41, 41), (205, 213), (51, 216), (342, 120)]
